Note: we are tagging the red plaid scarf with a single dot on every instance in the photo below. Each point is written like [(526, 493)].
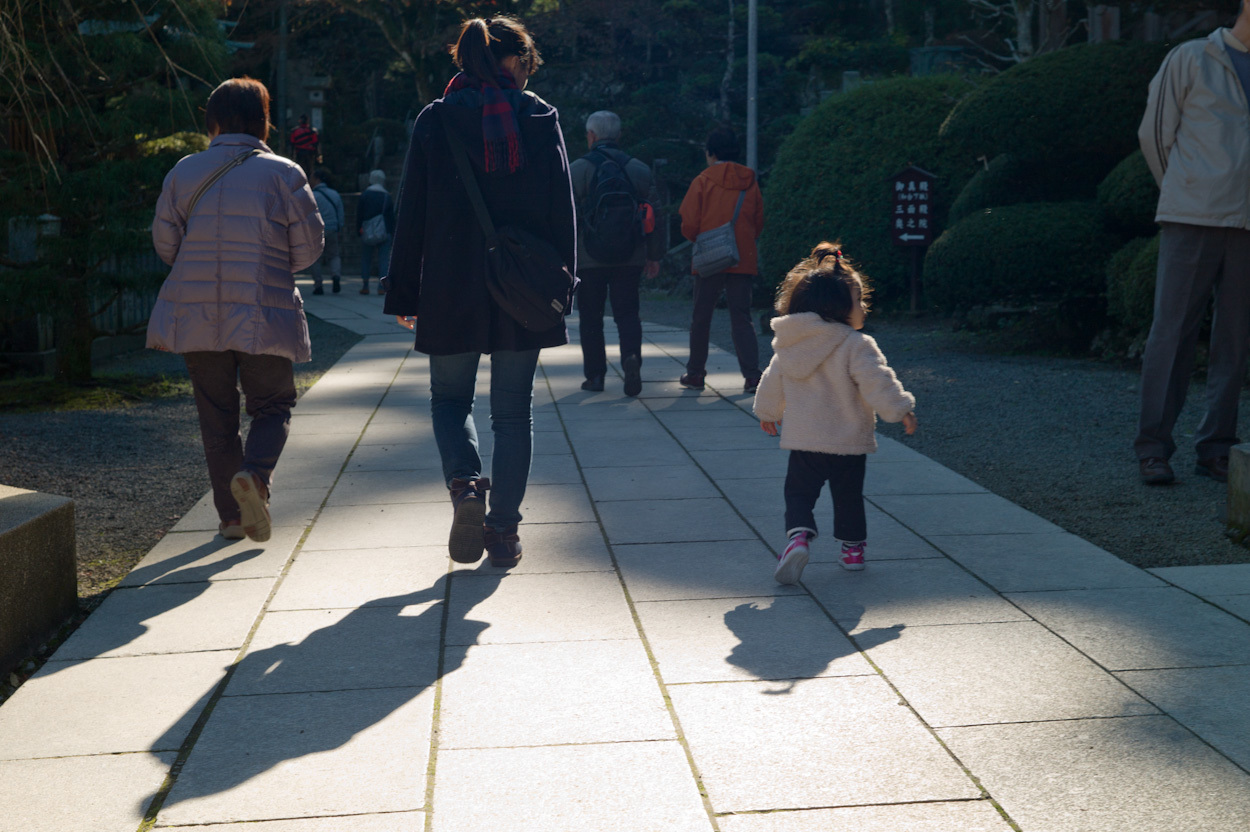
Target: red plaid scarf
[(500, 132)]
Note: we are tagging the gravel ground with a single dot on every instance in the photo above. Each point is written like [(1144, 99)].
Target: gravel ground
[(133, 472), (1051, 434)]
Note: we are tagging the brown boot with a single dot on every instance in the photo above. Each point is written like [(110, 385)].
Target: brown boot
[(468, 503), (503, 546), (1215, 467), (1155, 471)]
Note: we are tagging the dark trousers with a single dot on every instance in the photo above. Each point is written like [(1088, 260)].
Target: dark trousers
[(807, 474), (620, 283), (1196, 262), (269, 389), (737, 289)]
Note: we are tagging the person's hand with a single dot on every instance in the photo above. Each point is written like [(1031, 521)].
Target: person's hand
[(910, 424), (408, 322), (770, 427), (651, 269)]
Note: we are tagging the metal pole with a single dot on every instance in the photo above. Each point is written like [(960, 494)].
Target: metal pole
[(753, 84), (280, 120)]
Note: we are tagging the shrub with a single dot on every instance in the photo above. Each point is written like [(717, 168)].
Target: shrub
[(1082, 101), (1129, 196), (1046, 251), (1131, 284), (832, 176), (1009, 180)]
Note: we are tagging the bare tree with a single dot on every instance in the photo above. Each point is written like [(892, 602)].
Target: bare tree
[(728, 78)]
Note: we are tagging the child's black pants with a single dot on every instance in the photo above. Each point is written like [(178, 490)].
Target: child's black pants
[(807, 474)]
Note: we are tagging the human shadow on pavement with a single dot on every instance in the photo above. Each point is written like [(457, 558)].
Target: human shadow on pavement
[(121, 618), (771, 648), (315, 695)]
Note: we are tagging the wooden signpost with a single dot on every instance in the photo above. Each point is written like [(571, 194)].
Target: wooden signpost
[(911, 220)]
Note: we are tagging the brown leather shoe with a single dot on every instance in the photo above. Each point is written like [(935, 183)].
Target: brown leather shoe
[(1215, 467), (1156, 471), (503, 546)]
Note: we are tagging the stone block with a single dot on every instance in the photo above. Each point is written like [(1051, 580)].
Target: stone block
[(643, 786), (672, 521), (514, 609), (961, 816), (1210, 701), (350, 578), (1143, 773), (1207, 581), (650, 482), (391, 822), (1038, 562), (38, 570), (725, 569), (104, 792)]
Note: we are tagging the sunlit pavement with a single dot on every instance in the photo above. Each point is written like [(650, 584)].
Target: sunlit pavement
[(639, 670)]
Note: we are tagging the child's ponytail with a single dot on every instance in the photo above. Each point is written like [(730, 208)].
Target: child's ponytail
[(821, 283)]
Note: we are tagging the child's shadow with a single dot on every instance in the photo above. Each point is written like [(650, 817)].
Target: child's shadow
[(774, 644)]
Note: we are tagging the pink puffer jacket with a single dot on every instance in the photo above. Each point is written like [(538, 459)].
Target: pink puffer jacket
[(232, 286)]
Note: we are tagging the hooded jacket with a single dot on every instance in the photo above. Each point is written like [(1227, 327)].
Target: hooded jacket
[(438, 262), (232, 285), (1195, 136), (825, 384), (710, 203)]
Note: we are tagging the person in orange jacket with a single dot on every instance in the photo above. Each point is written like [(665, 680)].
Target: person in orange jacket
[(710, 203)]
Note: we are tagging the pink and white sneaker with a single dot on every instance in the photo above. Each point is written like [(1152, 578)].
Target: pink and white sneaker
[(853, 556), (793, 559)]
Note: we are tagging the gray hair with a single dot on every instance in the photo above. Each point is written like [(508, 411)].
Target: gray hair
[(605, 124), (377, 177)]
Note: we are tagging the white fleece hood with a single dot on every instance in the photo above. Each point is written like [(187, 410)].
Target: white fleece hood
[(804, 341)]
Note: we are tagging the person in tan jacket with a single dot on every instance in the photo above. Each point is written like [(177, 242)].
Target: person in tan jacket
[(1195, 139), (823, 389), (710, 203)]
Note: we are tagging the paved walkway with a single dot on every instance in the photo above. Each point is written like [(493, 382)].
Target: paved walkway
[(639, 670)]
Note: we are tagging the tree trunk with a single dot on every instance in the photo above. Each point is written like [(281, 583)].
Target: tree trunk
[(729, 68), (1024, 28), (74, 334)]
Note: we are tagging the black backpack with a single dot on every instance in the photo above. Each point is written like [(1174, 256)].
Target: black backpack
[(612, 225)]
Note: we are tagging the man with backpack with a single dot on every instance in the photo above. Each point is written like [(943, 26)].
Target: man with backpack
[(330, 204), (616, 244)]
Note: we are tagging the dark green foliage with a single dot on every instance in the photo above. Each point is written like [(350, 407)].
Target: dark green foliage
[(1020, 254), (99, 108), (1129, 196), (1008, 180), (831, 56), (832, 177), (1131, 284), (1082, 101)]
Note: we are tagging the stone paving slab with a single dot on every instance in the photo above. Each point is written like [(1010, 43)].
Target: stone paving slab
[(825, 742), (560, 693), (196, 557), (1238, 605), (380, 526), (736, 639), (109, 706), (725, 569), (552, 548), (324, 650), (1210, 701), (351, 578), (288, 506), (1140, 629), (517, 609), (172, 618), (935, 514), (976, 674), (1143, 773), (306, 755), (648, 787), (671, 521), (104, 793), (1224, 579), (1040, 562), (906, 592), (393, 822), (678, 481), (956, 816), (907, 477)]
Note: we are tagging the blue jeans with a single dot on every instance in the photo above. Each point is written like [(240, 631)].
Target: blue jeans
[(366, 260), (452, 382)]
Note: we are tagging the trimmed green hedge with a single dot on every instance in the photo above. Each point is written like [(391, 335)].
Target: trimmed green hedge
[(1045, 251), (1084, 100), (1131, 284), (1008, 180), (1129, 197), (832, 177)]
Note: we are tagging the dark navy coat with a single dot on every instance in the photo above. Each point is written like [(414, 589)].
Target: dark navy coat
[(438, 262)]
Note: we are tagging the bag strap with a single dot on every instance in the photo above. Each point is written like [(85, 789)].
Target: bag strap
[(217, 174), (603, 155), (469, 179), (741, 196)]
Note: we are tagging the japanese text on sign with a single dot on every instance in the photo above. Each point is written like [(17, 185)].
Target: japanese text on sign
[(910, 220)]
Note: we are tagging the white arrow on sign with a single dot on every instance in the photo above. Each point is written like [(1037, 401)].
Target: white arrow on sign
[(906, 237)]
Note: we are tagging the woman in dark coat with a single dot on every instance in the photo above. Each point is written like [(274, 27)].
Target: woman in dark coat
[(437, 271)]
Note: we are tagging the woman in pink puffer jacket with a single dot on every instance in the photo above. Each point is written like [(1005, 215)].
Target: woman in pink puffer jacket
[(229, 305)]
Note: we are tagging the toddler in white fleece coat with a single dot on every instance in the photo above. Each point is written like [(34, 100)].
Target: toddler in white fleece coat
[(823, 389)]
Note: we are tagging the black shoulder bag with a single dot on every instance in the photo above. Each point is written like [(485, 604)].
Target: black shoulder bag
[(525, 274)]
